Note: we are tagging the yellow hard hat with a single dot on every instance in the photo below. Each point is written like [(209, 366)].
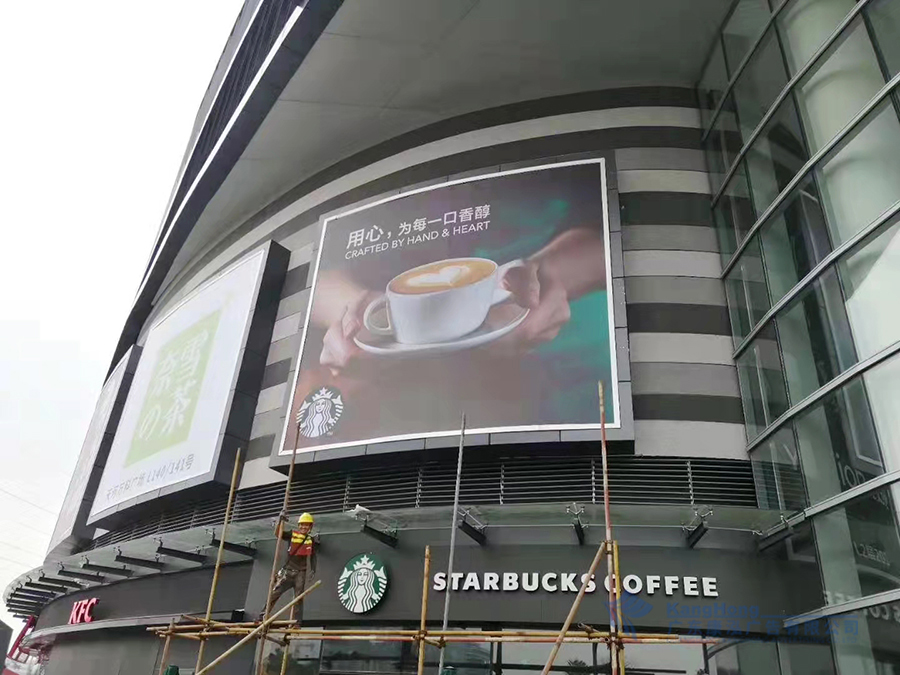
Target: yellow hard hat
[(305, 518)]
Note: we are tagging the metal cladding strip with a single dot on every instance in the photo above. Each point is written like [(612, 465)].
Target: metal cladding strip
[(871, 485), (860, 368), (848, 247), (785, 92), (196, 138), (285, 31), (844, 607), (811, 163), (248, 115), (741, 66)]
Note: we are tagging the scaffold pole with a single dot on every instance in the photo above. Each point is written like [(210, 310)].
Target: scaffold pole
[(279, 530), (215, 580), (459, 463), (259, 629), (425, 576), (574, 609)]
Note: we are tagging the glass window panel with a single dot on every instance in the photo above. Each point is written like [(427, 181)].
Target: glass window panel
[(798, 658), (573, 659), (861, 179), (712, 84), (745, 287), (816, 343), (859, 546), (734, 214), (838, 86), (762, 382), (799, 578), (744, 25), (303, 658), (757, 658), (745, 658), (776, 155), (794, 239), (362, 656), (805, 24), (853, 434), (759, 84), (884, 16), (459, 658), (838, 443), (723, 144), (776, 471), (868, 641), (870, 277), (663, 659)]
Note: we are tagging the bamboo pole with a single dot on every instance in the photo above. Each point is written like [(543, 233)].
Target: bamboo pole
[(620, 652), (286, 653), (221, 552), (279, 530), (574, 609), (263, 626), (425, 576), (165, 654)]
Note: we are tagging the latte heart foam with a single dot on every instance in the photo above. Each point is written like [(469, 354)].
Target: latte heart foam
[(445, 277)]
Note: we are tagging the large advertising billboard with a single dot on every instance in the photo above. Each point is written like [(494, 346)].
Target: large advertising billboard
[(489, 296), (94, 450), (175, 416)]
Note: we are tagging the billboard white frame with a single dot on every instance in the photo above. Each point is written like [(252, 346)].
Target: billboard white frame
[(617, 421)]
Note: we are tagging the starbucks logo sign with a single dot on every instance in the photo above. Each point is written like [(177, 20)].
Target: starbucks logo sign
[(363, 583), (319, 413)]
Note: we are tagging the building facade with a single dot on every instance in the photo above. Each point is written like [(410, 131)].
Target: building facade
[(528, 219)]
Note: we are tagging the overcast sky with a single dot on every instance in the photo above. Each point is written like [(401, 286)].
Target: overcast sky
[(99, 101)]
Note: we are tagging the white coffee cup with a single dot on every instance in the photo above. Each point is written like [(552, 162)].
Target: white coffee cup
[(440, 301)]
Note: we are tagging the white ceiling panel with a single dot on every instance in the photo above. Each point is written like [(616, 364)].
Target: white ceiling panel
[(296, 128), (418, 21), (371, 71)]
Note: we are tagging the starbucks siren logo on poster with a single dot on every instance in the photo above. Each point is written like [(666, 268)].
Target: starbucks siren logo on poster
[(319, 413), (363, 583)]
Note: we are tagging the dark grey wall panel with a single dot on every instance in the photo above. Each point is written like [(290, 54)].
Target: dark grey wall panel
[(261, 447), (295, 280), (276, 373), (155, 595), (665, 208), (669, 238), (675, 290), (664, 318), (688, 407)]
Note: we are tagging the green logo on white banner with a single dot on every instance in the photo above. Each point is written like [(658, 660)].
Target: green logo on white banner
[(363, 583), (174, 390)]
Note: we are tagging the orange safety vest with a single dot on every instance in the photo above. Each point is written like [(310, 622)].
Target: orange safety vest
[(301, 544)]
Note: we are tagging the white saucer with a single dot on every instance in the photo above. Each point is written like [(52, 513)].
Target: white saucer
[(500, 320)]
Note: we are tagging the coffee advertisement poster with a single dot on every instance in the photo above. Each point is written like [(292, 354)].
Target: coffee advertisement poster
[(488, 296)]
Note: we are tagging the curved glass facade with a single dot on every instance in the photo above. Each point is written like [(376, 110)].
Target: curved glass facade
[(802, 138)]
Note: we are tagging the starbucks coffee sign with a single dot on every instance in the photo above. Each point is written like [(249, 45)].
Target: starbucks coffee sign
[(363, 583)]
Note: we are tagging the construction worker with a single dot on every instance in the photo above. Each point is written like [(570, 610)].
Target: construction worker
[(301, 559)]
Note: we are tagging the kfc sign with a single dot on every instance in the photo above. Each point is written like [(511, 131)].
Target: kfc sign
[(83, 611)]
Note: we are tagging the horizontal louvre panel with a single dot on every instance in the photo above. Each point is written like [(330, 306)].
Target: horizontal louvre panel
[(406, 483)]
